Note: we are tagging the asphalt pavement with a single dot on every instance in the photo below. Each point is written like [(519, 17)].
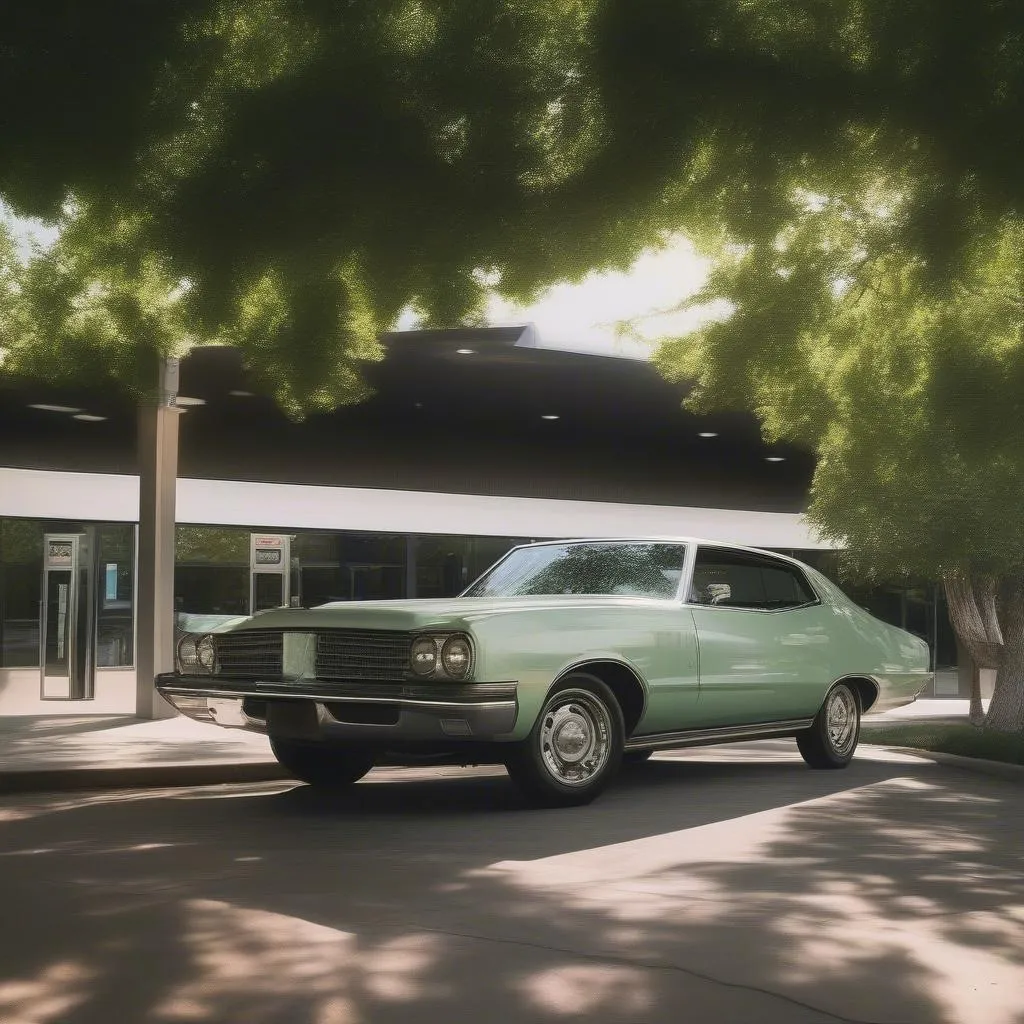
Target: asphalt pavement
[(716, 885)]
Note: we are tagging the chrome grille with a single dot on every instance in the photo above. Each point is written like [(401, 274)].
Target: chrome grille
[(362, 654), (254, 652)]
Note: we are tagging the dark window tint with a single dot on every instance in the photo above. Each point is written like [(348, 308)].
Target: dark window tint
[(735, 579)]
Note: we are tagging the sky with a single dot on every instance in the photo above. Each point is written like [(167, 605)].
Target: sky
[(586, 317), (582, 317)]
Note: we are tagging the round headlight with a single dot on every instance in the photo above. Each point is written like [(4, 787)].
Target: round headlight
[(187, 659), (206, 653), (456, 656), (423, 656)]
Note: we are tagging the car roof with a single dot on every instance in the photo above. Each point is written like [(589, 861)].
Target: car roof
[(665, 540)]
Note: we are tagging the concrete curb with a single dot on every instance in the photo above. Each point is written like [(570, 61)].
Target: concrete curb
[(978, 765), (162, 776)]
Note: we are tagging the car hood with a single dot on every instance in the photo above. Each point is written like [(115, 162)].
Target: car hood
[(425, 614)]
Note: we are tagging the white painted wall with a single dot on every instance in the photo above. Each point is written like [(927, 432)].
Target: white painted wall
[(37, 494)]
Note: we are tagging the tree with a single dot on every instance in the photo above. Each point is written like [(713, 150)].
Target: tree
[(910, 391), (285, 175), (297, 172)]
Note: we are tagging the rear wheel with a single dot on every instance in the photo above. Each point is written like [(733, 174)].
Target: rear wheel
[(321, 765), (831, 741), (575, 747)]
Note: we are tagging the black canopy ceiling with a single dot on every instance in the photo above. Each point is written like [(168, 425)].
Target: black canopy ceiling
[(440, 418)]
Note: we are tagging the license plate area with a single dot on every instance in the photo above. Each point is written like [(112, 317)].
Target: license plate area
[(293, 719)]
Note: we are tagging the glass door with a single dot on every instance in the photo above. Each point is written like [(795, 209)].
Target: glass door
[(66, 650)]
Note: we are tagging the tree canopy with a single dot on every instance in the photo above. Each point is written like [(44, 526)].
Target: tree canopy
[(910, 394), (287, 175)]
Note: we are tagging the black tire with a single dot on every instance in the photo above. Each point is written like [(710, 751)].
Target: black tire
[(827, 746), (636, 756), (319, 764), (581, 712)]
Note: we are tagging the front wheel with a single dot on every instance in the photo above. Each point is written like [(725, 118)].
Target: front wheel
[(832, 739), (319, 764), (575, 747)]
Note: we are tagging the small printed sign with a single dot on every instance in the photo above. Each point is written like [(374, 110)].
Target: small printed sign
[(264, 541), (59, 554), (264, 557)]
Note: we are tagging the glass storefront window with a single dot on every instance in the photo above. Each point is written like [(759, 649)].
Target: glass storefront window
[(115, 604), (108, 552), (445, 566), (211, 572), (347, 567), (21, 579)]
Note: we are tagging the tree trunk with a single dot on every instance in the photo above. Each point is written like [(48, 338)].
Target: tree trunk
[(977, 712), (1006, 709), (975, 617)]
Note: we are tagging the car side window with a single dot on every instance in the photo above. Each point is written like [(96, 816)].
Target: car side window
[(738, 579)]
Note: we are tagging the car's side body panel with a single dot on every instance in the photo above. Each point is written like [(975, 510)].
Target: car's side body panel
[(655, 639), (758, 666)]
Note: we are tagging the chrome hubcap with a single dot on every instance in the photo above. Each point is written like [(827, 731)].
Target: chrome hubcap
[(841, 719), (575, 737)]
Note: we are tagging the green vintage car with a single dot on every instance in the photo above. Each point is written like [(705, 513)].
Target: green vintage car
[(561, 661)]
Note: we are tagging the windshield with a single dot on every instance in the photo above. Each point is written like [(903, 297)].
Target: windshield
[(600, 567)]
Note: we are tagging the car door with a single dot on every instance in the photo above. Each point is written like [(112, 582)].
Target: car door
[(762, 636)]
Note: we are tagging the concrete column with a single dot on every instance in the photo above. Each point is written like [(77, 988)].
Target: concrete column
[(158, 477), (411, 542)]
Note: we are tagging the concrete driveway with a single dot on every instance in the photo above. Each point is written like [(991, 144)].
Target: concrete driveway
[(721, 885)]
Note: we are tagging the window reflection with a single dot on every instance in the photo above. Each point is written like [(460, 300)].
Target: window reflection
[(211, 573), (115, 588), (626, 570), (21, 580), (330, 567), (445, 566)]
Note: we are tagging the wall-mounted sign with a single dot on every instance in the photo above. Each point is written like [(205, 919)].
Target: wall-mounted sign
[(60, 554), (268, 552)]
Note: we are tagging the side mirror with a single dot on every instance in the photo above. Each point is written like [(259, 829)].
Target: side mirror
[(719, 592)]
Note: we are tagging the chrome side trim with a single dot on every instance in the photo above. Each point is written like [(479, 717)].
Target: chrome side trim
[(332, 698), (727, 734)]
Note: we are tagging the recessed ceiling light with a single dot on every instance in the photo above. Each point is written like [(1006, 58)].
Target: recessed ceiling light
[(707, 433), (53, 408), (465, 351), (185, 400), (774, 458), (550, 416), (88, 418), (241, 394), (417, 405)]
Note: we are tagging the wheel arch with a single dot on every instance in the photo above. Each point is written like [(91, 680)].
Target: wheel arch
[(867, 689), (622, 679)]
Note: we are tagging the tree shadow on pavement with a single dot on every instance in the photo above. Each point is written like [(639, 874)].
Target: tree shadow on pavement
[(695, 890)]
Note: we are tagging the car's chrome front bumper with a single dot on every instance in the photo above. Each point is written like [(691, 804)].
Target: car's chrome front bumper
[(376, 712)]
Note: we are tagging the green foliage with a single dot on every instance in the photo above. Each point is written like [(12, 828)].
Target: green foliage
[(908, 389), (219, 545), (290, 174)]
